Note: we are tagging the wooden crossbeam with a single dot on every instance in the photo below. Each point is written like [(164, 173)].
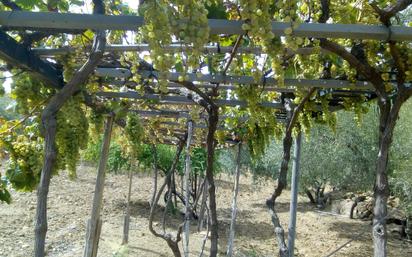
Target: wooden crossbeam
[(65, 21), (19, 56)]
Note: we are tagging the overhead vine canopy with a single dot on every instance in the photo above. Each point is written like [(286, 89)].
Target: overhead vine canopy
[(239, 67)]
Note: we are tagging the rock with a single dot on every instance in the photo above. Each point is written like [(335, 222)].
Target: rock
[(342, 207)]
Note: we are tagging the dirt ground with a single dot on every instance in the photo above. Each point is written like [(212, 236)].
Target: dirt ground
[(318, 234)]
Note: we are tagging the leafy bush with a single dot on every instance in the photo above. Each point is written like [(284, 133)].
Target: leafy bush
[(117, 160)]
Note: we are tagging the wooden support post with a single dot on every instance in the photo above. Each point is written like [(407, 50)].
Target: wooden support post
[(234, 204), (94, 224), (294, 194), (155, 171), (126, 224), (187, 189)]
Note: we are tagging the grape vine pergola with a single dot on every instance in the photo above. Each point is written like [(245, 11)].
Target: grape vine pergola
[(205, 93)]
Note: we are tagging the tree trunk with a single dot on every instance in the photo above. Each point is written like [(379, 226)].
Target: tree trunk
[(194, 187), (310, 196), (94, 224), (282, 181), (234, 204), (388, 116), (187, 189), (173, 244), (50, 125), (126, 225), (210, 141), (282, 178), (174, 189), (408, 228)]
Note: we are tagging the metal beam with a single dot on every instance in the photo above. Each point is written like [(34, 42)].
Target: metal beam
[(208, 49), (181, 100), (173, 85), (182, 114), (222, 87), (294, 195), (113, 72), (228, 79), (64, 21), (19, 56)]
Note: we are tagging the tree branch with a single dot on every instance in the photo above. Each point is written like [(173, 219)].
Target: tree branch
[(282, 179), (325, 11), (363, 68), (366, 70), (172, 243), (400, 76), (202, 99), (297, 111), (49, 124), (12, 5), (386, 14), (287, 144)]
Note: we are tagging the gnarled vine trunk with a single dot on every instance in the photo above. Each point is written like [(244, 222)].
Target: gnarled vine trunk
[(171, 242), (293, 114), (49, 123), (387, 120), (210, 141), (50, 153)]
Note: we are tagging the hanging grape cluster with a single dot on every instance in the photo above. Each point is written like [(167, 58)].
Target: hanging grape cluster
[(71, 136), (134, 133), (261, 125), (157, 32), (25, 149), (190, 25)]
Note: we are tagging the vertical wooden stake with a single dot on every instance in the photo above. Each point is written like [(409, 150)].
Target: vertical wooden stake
[(187, 189), (94, 224), (126, 225), (234, 204), (294, 194), (155, 171), (202, 206)]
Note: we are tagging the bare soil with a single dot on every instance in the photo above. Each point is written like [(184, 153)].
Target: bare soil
[(318, 234)]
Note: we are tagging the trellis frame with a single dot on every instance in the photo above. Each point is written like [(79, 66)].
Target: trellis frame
[(64, 22)]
